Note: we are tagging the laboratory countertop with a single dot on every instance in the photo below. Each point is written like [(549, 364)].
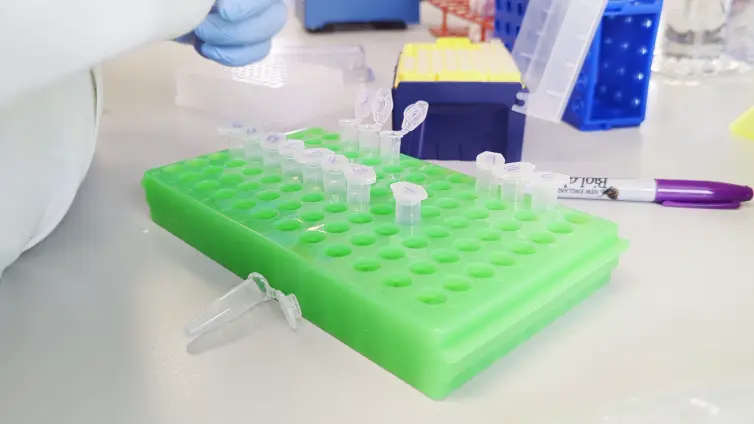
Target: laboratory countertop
[(91, 320)]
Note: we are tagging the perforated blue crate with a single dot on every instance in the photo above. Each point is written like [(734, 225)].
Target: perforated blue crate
[(611, 91), (508, 19), (318, 14)]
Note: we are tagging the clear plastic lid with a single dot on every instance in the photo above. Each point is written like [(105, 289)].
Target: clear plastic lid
[(407, 193), (414, 115), (272, 141), (486, 161), (290, 148), (382, 106), (266, 91), (334, 163), (550, 49), (313, 157), (360, 174), (516, 168)]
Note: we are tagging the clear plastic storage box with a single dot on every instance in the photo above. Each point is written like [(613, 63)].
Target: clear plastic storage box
[(312, 80), (552, 43)]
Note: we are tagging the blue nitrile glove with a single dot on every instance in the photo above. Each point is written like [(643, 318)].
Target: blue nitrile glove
[(237, 32)]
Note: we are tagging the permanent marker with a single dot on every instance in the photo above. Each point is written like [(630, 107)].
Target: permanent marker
[(671, 193)]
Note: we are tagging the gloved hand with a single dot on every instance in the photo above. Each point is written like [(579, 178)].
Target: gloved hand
[(237, 32)]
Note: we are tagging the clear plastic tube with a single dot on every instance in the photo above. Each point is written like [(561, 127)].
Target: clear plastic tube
[(408, 214), (358, 194), (287, 152), (311, 164), (408, 202), (335, 186), (369, 140), (233, 135), (544, 190), (240, 300), (349, 135), (511, 178), (270, 144), (251, 140), (333, 178), (512, 188), (253, 291), (486, 183), (312, 175), (390, 147), (359, 179)]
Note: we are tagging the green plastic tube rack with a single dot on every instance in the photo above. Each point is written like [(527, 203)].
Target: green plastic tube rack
[(434, 304)]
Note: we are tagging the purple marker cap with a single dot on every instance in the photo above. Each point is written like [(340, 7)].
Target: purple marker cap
[(701, 194)]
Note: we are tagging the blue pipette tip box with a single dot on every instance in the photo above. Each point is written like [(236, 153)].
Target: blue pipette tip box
[(464, 119)]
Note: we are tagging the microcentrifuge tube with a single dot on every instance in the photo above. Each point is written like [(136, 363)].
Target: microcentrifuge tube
[(544, 190), (234, 129), (333, 178), (349, 135), (408, 202), (512, 178), (270, 144), (232, 134), (241, 299), (311, 164), (287, 151), (390, 147), (359, 179), (389, 142), (369, 140), (251, 140), (486, 162)]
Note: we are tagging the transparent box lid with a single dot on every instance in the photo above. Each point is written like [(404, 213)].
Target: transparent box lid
[(550, 49), (294, 87)]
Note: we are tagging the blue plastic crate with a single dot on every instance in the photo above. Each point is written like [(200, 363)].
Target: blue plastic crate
[(611, 91), (464, 119), (508, 19), (316, 14)]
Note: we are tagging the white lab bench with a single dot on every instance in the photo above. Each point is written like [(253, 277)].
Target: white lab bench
[(91, 320)]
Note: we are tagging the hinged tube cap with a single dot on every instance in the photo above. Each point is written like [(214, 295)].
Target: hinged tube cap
[(289, 148), (272, 141)]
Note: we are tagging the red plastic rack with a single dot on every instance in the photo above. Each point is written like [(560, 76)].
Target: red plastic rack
[(460, 9)]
